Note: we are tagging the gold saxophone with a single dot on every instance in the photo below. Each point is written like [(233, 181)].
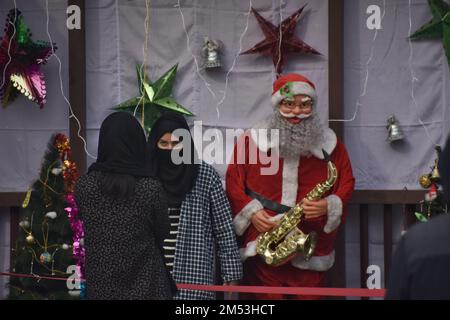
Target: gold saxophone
[(295, 241)]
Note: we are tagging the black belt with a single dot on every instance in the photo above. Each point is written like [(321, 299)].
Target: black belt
[(268, 204)]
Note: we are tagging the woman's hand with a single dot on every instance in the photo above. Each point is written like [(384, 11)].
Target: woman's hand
[(261, 221), (314, 209)]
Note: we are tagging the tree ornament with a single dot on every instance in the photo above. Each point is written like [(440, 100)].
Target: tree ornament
[(45, 258), (425, 181), (30, 239), (52, 215)]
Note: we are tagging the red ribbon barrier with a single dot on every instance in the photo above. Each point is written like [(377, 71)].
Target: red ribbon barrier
[(324, 292)]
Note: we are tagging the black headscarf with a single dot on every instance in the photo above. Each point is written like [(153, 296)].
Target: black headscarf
[(179, 179), (122, 147)]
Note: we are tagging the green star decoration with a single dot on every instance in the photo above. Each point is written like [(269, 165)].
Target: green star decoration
[(153, 99), (438, 27)]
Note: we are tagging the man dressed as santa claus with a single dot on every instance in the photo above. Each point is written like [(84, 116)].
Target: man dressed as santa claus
[(258, 199)]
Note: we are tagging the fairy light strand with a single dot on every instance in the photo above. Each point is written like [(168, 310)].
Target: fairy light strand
[(72, 114), (188, 44), (143, 68), (281, 37), (366, 80), (9, 44), (414, 79), (220, 103)]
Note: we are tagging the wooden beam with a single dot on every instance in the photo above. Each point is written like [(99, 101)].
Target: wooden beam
[(364, 243), (387, 233), (11, 199), (336, 276), (77, 87), (336, 64), (387, 197)]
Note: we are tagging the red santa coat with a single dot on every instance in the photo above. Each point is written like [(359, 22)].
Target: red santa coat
[(288, 186)]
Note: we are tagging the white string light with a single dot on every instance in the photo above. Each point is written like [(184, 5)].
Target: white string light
[(188, 43), (366, 80), (414, 79), (220, 103), (281, 37), (72, 114), (143, 68), (208, 85), (9, 44)]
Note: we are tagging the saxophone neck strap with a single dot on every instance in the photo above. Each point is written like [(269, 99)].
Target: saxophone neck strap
[(268, 204)]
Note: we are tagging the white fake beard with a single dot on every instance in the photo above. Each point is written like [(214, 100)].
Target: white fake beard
[(297, 139)]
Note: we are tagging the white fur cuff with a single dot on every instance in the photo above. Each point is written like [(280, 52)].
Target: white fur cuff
[(334, 213), (316, 263), (242, 220), (249, 251)]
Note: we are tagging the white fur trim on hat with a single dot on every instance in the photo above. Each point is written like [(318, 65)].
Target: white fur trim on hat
[(297, 88)]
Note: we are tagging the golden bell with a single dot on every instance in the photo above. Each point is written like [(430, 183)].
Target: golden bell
[(394, 131), (435, 176)]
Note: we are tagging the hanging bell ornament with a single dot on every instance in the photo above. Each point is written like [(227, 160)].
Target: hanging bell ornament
[(394, 131), (435, 176), (30, 239), (211, 54)]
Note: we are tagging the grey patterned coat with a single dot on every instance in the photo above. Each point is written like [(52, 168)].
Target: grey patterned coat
[(205, 221), (123, 240)]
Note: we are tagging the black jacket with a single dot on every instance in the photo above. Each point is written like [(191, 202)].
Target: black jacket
[(421, 265)]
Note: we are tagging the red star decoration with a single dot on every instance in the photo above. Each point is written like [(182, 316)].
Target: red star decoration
[(270, 46)]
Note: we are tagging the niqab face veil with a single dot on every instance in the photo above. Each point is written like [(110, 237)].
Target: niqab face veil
[(177, 179)]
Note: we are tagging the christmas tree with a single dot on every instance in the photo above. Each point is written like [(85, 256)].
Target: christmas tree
[(46, 243)]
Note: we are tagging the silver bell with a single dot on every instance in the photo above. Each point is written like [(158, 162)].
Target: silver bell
[(211, 54), (394, 131)]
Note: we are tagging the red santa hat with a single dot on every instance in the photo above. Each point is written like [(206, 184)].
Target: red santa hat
[(289, 85)]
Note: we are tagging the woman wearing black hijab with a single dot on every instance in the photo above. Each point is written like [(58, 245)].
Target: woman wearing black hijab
[(124, 211), (199, 211)]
